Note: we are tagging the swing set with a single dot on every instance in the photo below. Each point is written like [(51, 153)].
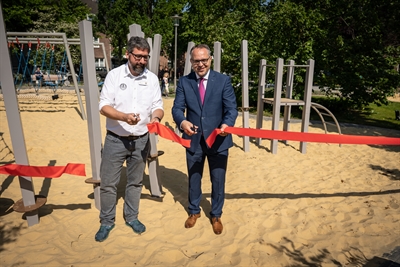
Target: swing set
[(39, 69), (55, 75)]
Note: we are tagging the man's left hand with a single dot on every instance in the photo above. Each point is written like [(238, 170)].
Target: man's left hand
[(222, 133), (155, 119)]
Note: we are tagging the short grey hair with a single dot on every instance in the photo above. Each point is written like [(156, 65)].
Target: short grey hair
[(138, 43), (200, 46)]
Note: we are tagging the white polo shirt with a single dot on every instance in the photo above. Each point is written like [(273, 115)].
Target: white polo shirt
[(131, 94)]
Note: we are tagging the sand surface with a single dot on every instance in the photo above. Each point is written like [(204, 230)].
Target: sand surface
[(332, 206)]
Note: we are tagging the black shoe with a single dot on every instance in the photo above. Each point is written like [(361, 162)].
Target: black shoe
[(103, 232)]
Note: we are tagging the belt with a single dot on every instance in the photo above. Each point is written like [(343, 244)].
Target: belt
[(129, 137)]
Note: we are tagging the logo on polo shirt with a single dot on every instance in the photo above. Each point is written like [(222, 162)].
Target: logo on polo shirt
[(122, 86)]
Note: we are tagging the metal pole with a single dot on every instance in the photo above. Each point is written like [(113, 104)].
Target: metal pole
[(176, 41), (72, 70)]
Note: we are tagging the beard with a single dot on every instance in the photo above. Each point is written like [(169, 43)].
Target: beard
[(137, 67)]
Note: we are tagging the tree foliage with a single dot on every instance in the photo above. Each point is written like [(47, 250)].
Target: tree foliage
[(362, 50), (114, 18), (355, 44), (46, 16)]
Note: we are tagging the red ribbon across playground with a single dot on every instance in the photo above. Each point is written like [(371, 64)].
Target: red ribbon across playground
[(167, 133), (43, 171)]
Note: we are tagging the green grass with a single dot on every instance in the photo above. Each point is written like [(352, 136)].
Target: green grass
[(373, 115)]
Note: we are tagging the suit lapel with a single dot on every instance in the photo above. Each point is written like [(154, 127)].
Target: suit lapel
[(195, 87), (210, 86)]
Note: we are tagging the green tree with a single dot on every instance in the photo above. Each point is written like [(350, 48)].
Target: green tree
[(357, 49), (114, 18), (355, 44), (228, 22), (290, 33), (46, 16)]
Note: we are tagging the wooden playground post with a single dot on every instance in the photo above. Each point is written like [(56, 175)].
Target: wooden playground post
[(92, 105), (245, 93), (188, 66), (277, 102), (307, 102), (15, 125), (217, 56), (260, 99), (289, 95)]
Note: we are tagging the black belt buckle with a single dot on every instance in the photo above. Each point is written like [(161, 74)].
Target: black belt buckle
[(131, 137)]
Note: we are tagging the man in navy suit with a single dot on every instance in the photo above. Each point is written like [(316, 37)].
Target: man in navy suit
[(198, 114)]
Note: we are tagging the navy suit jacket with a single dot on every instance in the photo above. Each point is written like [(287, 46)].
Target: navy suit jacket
[(219, 108)]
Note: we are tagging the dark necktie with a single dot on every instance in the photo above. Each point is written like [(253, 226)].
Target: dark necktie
[(202, 90)]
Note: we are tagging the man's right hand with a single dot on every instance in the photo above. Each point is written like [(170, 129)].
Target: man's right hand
[(132, 118), (189, 128)]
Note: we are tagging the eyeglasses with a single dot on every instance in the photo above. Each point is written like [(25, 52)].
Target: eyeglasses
[(204, 61), (139, 57)]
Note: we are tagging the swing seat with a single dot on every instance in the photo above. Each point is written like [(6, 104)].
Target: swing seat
[(49, 84)]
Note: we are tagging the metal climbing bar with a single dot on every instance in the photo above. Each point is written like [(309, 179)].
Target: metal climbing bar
[(317, 107)]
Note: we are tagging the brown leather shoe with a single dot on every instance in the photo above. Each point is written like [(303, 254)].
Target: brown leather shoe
[(217, 225), (191, 221)]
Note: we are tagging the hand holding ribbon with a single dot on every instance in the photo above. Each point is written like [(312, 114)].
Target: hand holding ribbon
[(167, 133)]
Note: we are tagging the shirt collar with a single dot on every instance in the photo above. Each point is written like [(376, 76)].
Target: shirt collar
[(205, 76), (128, 73)]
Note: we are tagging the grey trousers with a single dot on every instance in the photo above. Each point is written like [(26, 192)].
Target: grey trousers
[(115, 152)]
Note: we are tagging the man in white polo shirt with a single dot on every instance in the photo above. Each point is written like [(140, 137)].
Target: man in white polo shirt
[(130, 99)]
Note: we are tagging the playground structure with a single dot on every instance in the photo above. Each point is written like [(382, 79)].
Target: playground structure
[(287, 102)]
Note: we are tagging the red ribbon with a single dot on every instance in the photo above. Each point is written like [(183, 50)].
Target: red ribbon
[(165, 132), (43, 171), (307, 137)]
